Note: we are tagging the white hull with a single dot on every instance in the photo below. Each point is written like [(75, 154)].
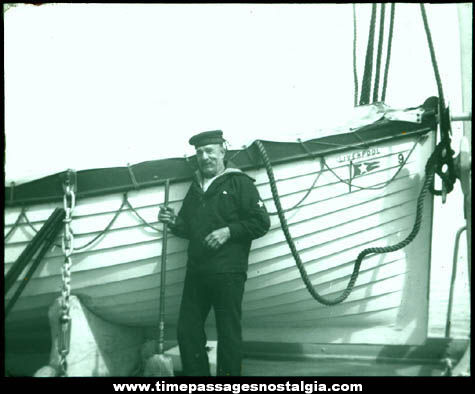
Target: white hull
[(118, 276)]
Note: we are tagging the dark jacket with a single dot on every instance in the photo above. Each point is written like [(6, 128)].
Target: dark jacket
[(232, 200)]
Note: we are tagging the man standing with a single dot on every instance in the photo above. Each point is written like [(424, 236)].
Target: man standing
[(221, 214)]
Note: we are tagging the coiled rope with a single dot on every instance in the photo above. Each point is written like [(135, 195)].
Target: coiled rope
[(429, 176)]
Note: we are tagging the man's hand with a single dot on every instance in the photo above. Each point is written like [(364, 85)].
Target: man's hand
[(217, 238), (166, 215)]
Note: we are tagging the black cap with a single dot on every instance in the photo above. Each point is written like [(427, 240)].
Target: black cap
[(206, 138)]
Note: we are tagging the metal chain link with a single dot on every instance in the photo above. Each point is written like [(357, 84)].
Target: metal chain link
[(69, 202)]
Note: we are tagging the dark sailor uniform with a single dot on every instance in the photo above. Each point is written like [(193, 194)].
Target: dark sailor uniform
[(215, 278)]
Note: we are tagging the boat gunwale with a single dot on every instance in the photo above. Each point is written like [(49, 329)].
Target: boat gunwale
[(12, 202)]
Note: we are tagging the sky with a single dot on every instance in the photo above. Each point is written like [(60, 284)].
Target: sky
[(103, 85)]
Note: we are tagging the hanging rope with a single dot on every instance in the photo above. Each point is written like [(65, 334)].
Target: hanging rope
[(355, 71), (368, 68), (17, 222), (444, 166), (384, 185), (141, 218), (388, 53), (380, 51), (96, 237), (309, 190), (125, 201), (106, 229), (433, 58), (429, 171)]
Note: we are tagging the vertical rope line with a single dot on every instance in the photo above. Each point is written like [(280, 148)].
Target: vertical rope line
[(355, 70), (368, 70), (388, 53), (433, 58), (380, 52)]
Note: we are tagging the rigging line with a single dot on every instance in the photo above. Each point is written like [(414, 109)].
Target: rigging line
[(380, 52), (429, 176), (432, 54), (95, 238), (363, 142), (106, 228), (141, 218), (309, 190), (388, 53), (236, 153), (29, 223), (444, 150), (368, 70), (15, 224), (387, 183), (355, 70), (34, 229), (335, 144), (433, 59)]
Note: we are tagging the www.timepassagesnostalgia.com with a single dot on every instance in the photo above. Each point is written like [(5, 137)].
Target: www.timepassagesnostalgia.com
[(237, 388)]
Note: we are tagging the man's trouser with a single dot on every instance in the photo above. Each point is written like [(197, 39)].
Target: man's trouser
[(223, 292)]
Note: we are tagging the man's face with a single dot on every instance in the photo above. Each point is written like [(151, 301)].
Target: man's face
[(210, 159)]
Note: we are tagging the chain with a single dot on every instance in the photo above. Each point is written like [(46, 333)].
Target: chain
[(69, 202)]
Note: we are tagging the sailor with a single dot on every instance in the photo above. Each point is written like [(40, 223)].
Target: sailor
[(221, 214)]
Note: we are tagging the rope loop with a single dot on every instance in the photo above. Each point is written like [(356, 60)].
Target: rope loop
[(429, 176), (15, 225)]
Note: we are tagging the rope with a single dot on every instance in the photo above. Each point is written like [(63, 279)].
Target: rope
[(102, 233), (401, 166), (141, 218), (388, 53), (303, 198), (429, 175), (106, 228), (380, 52), (95, 238), (433, 58), (355, 71), (368, 70), (132, 177), (444, 150), (15, 224), (29, 223)]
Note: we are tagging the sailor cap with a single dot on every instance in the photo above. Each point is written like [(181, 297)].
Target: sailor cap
[(206, 138)]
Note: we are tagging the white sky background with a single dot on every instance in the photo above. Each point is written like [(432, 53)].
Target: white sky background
[(99, 85)]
